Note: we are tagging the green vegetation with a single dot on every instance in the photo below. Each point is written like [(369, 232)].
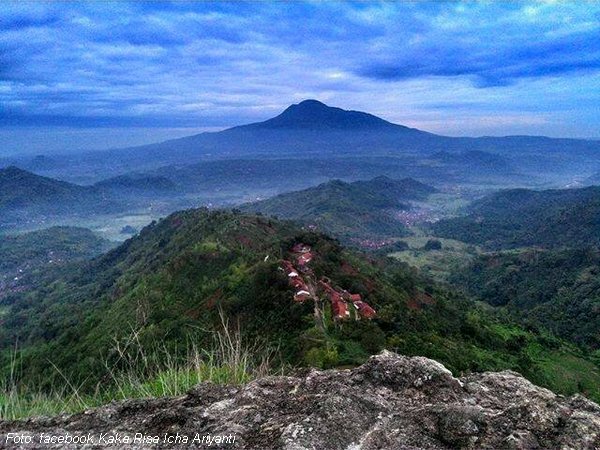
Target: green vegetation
[(146, 373), (437, 264), (176, 280), (26, 192), (523, 218), (362, 209), (432, 244), (556, 289), (56, 244)]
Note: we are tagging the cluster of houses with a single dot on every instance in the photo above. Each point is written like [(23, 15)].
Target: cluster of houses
[(300, 277)]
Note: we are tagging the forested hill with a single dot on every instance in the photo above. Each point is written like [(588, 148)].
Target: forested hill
[(348, 210), (521, 217), (25, 257), (169, 285), (30, 194), (54, 245), (559, 289), (19, 188)]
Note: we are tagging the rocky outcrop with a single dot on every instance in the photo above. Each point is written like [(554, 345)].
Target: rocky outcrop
[(391, 402)]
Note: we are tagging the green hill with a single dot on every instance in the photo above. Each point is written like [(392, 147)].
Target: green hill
[(55, 243), (19, 188), (25, 196), (25, 258), (558, 289), (170, 285), (522, 218), (357, 210)]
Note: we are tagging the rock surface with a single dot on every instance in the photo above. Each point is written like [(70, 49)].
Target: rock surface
[(391, 402)]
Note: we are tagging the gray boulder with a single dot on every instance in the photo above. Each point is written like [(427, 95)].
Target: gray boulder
[(390, 402)]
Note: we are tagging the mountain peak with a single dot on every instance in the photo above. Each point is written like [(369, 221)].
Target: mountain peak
[(314, 115), (11, 169), (14, 171), (310, 103)]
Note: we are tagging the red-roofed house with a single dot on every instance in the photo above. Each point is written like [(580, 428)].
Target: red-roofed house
[(364, 310)]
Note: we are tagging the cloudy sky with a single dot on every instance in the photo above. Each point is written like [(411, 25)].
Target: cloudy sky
[(96, 75)]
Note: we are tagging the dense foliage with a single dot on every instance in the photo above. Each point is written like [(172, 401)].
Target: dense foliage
[(27, 198), (361, 209), (558, 289), (521, 217), (170, 283), (55, 244)]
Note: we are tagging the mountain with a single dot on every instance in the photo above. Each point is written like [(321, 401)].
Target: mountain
[(313, 130), (358, 210), (177, 280), (311, 127), (522, 217), (314, 115)]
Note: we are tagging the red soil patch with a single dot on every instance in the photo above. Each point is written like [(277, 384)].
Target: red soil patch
[(417, 301)]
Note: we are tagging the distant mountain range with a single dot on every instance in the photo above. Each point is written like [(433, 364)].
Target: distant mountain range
[(358, 210), (311, 128)]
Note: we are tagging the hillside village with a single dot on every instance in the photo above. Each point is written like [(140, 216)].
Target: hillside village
[(306, 287)]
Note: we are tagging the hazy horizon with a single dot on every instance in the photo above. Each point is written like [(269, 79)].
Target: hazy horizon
[(78, 76)]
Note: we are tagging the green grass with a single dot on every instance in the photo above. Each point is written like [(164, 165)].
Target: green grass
[(230, 361), (22, 403), (438, 264), (566, 373)]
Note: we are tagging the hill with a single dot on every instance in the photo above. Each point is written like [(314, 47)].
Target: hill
[(57, 243), (521, 218), (556, 289), (25, 255), (26, 197), (137, 184), (358, 210), (19, 188), (173, 283)]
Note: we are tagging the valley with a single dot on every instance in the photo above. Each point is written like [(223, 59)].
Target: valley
[(300, 225), (457, 254)]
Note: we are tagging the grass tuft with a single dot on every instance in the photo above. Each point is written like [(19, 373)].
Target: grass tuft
[(146, 374)]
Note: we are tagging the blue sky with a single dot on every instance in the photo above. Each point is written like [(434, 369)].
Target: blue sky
[(105, 74)]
